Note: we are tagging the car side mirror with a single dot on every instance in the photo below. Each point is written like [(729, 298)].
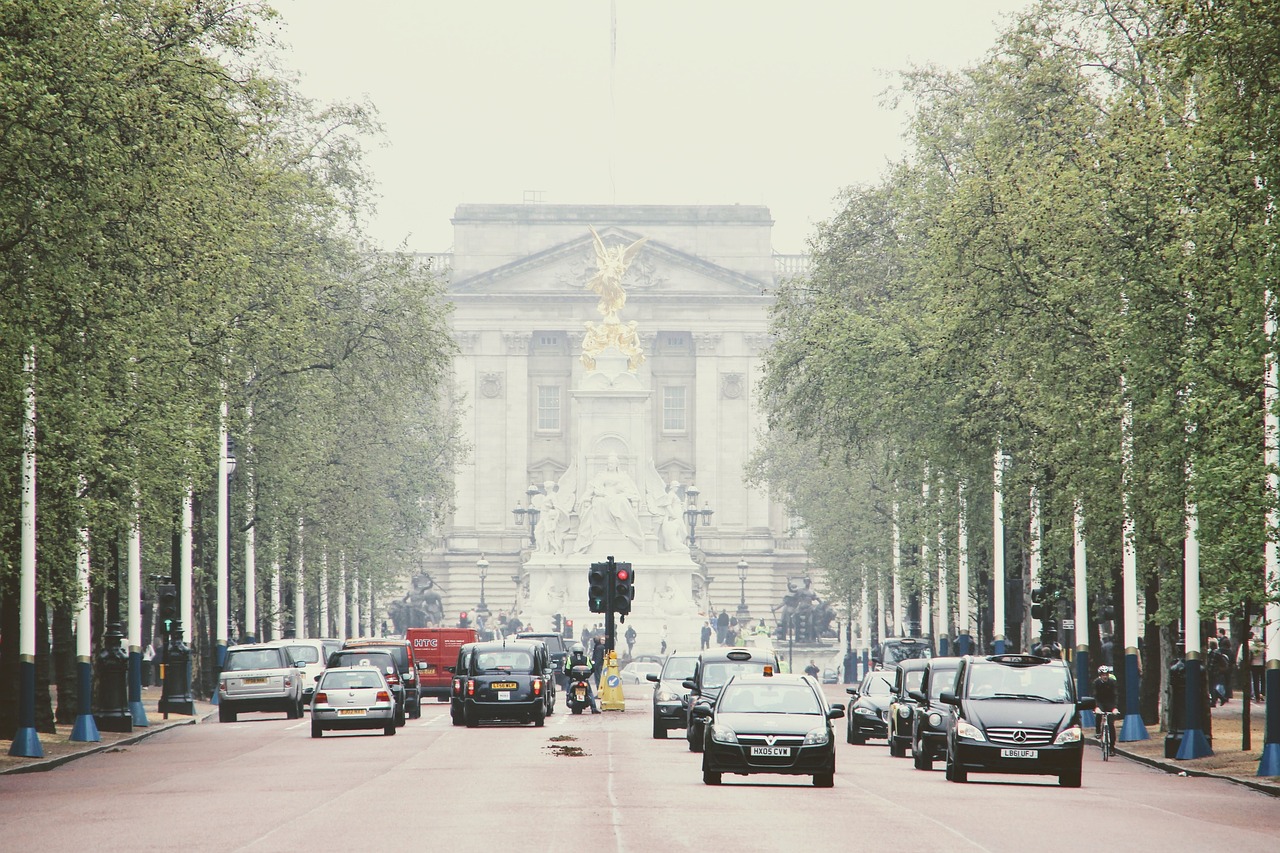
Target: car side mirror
[(652, 676), (949, 698), (852, 691), (452, 670), (918, 696), (836, 712), (689, 684), (1087, 703), (300, 664), (702, 712)]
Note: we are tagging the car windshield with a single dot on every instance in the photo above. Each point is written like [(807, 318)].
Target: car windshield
[(306, 654), (912, 679), (350, 680), (896, 652), (506, 660), (678, 669), (877, 685), (252, 659), (942, 679), (996, 681), (768, 699), (716, 673)]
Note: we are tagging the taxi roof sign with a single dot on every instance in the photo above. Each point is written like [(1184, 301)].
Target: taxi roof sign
[(1018, 659), (738, 654)]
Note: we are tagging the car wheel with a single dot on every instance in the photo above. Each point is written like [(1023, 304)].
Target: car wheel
[(956, 773), (316, 730), (710, 777), (293, 711), (225, 714), (455, 714), (574, 709), (540, 717), (921, 760), (856, 738), (417, 710), (824, 780), (400, 717), (472, 717), (896, 748), (659, 730), (389, 729), (1070, 779), (695, 741)]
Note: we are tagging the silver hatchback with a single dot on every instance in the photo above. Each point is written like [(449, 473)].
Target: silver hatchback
[(352, 697)]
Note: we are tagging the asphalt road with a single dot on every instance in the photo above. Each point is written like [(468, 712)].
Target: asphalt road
[(264, 784)]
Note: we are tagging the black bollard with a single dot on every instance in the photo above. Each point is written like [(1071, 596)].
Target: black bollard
[(112, 714), (175, 697)]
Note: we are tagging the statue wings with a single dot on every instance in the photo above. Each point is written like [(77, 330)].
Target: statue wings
[(654, 489), (611, 266)]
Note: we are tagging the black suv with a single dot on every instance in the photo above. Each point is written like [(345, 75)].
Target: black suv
[(507, 680), (907, 676), (1015, 714), (929, 728), (384, 660), (715, 668)]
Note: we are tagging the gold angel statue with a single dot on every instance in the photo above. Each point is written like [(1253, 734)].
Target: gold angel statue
[(611, 265)]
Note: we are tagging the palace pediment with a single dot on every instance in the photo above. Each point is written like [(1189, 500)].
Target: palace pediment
[(565, 269)]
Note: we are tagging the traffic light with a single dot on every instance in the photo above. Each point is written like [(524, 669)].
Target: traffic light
[(167, 594), (557, 621), (598, 587), (1039, 608), (464, 621), (568, 628), (623, 590)]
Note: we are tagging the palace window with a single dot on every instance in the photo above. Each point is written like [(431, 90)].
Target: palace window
[(674, 409), (548, 408)]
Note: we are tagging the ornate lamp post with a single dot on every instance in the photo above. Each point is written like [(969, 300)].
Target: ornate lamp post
[(692, 513), (482, 567), (743, 612), (520, 511)]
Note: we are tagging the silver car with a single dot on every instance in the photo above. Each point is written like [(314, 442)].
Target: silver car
[(352, 697), (259, 677)]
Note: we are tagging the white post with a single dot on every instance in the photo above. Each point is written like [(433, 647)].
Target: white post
[(897, 577), (1133, 728), (224, 540), (325, 630), (185, 565), (299, 589), (133, 585), (276, 602), (250, 563), (356, 627), (864, 623), (962, 570), (997, 555), (1269, 764), (26, 742), (1034, 559), (926, 599), (342, 595), (944, 606)]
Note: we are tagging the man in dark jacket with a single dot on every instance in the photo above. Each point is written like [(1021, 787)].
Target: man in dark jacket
[(597, 660)]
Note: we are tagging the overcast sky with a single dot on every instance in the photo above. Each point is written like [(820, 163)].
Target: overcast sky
[(703, 101)]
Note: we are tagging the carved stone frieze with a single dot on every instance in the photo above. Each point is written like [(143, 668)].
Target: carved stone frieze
[(517, 342), (491, 385), (732, 385), (707, 343)]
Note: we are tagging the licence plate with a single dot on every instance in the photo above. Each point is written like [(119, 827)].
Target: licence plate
[(255, 681), (1019, 753), (504, 695), (771, 751), (351, 712), (504, 685)]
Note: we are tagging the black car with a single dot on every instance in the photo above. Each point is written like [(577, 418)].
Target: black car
[(907, 676), (869, 707), (559, 650), (929, 728), (1015, 714), (670, 696), (459, 681), (770, 724), (715, 668), (507, 680), (384, 660), (894, 650)]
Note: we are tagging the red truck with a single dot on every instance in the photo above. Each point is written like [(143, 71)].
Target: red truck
[(433, 650)]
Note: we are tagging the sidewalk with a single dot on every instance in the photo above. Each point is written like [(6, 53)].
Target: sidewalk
[(1228, 761), (59, 750)]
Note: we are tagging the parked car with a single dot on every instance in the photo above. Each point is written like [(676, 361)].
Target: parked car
[(403, 655), (312, 653), (670, 696), (868, 715), (259, 677), (770, 724), (386, 664), (509, 680), (638, 673), (929, 727), (907, 676), (1015, 714), (352, 697), (714, 669)]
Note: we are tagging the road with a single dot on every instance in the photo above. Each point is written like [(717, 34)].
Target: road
[(263, 784)]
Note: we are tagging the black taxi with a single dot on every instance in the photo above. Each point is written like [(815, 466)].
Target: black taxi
[(1014, 713), (714, 669), (507, 680)]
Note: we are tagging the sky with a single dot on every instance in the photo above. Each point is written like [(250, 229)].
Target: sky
[(624, 101)]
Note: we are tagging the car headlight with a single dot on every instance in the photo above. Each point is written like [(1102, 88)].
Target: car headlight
[(869, 712), (1071, 734), (904, 712), (723, 734), (935, 719), (968, 730), (816, 737), (668, 696)]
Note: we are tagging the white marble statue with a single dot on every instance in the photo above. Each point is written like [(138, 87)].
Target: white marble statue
[(669, 507), (553, 519), (609, 504)]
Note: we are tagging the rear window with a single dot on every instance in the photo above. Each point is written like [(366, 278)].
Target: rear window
[(399, 653), (361, 658), (509, 660), (350, 680), (253, 659)]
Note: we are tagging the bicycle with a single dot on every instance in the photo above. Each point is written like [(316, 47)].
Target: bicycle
[(1108, 734)]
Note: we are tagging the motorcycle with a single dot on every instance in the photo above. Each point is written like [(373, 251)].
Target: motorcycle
[(579, 696)]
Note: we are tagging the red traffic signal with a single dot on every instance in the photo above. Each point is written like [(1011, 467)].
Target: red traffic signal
[(623, 574)]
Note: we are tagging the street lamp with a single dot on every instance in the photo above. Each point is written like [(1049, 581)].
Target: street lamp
[(520, 511), (743, 612), (482, 566), (692, 513)]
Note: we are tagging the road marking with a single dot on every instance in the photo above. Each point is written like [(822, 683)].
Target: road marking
[(299, 725), (616, 814)]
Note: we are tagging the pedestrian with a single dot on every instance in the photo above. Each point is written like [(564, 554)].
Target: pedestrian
[(1251, 665), (662, 649), (631, 639), (148, 655), (722, 627), (812, 669), (597, 659), (1217, 668), (706, 635), (1224, 646)]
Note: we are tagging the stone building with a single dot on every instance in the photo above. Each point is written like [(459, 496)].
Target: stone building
[(546, 402)]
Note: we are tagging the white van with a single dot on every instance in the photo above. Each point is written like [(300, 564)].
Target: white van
[(313, 653)]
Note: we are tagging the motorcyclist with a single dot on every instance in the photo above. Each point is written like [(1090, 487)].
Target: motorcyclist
[(578, 657), (1106, 690)]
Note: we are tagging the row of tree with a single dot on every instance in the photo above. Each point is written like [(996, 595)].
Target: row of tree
[(180, 229), (1082, 234)]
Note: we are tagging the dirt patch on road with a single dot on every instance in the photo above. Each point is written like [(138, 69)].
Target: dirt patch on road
[(559, 746)]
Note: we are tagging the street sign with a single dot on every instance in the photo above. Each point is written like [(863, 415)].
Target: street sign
[(1068, 624)]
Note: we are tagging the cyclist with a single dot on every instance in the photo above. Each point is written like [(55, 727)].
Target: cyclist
[(1106, 692)]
